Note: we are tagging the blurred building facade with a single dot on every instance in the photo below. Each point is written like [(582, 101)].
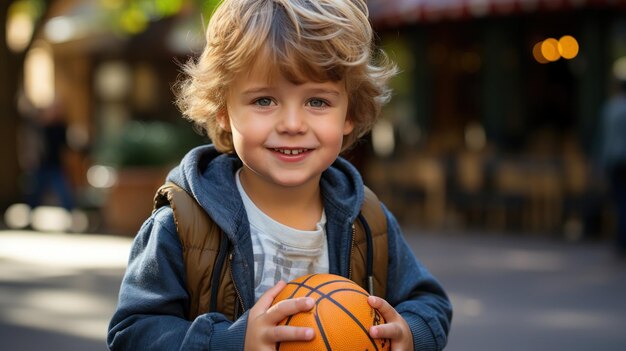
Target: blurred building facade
[(497, 109), (469, 61)]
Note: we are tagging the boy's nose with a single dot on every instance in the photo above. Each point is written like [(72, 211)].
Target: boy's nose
[(292, 121)]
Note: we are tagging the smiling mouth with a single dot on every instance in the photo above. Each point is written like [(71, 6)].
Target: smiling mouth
[(291, 152)]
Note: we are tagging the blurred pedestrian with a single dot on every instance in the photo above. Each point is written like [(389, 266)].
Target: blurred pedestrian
[(49, 173), (613, 156)]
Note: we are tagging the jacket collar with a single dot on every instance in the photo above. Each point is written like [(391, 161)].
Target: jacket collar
[(209, 177)]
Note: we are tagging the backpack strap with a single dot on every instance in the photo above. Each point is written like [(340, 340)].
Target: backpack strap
[(205, 248), (370, 253), (204, 252)]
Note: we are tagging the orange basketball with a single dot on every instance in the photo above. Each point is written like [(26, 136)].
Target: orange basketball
[(341, 316)]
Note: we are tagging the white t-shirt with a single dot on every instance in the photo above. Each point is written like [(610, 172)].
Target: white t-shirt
[(281, 252)]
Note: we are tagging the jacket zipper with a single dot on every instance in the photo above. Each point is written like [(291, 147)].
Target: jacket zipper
[(232, 278), (352, 245)]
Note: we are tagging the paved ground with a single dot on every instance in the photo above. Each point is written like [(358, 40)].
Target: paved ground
[(57, 291), (528, 293), (511, 293)]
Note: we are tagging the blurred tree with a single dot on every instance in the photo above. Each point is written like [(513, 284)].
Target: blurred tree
[(126, 17), (11, 66), (134, 16)]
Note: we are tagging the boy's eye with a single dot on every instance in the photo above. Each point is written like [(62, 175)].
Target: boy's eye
[(317, 103), (263, 101)]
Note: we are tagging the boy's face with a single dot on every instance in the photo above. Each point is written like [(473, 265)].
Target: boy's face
[(286, 134)]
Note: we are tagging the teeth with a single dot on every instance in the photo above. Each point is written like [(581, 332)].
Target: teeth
[(290, 151)]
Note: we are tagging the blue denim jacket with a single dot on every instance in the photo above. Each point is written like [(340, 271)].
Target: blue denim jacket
[(153, 301)]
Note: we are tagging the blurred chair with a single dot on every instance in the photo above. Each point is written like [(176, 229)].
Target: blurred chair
[(468, 193), (509, 196), (527, 195), (576, 191), (546, 196)]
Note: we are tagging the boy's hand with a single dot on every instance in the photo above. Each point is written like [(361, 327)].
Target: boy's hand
[(263, 332), (395, 329)]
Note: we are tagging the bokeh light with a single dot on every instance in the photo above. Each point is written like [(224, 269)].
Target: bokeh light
[(568, 47), (39, 75), (17, 216), (50, 219), (19, 29), (619, 68), (100, 176), (20, 22), (383, 139), (550, 49), (60, 29), (537, 53)]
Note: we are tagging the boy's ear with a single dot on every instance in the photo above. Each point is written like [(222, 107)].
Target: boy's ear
[(348, 126), (223, 120)]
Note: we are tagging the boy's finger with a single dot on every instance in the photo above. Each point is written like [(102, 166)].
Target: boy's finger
[(386, 331), (386, 310), (289, 307), (290, 333), (272, 292), (265, 301)]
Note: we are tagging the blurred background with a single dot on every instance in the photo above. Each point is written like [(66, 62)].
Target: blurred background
[(491, 154)]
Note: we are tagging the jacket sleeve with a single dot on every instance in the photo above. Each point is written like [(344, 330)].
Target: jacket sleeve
[(415, 293), (153, 301)]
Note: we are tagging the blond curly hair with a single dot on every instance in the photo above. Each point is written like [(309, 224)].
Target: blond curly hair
[(323, 40)]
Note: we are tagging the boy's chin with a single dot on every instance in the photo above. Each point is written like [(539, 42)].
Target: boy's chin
[(295, 181)]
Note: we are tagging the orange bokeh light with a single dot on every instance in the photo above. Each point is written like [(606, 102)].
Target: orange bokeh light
[(568, 47), (550, 49), (537, 53)]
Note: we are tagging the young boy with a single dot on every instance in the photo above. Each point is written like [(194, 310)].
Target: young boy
[(282, 87)]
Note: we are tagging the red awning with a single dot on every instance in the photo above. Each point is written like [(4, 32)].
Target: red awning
[(397, 12)]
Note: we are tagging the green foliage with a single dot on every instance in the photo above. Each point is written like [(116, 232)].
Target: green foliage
[(133, 16), (126, 17)]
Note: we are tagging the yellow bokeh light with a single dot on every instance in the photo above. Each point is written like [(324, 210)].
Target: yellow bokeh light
[(550, 49), (568, 47), (19, 30)]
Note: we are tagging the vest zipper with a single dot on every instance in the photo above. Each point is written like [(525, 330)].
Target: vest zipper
[(352, 245), (238, 295)]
